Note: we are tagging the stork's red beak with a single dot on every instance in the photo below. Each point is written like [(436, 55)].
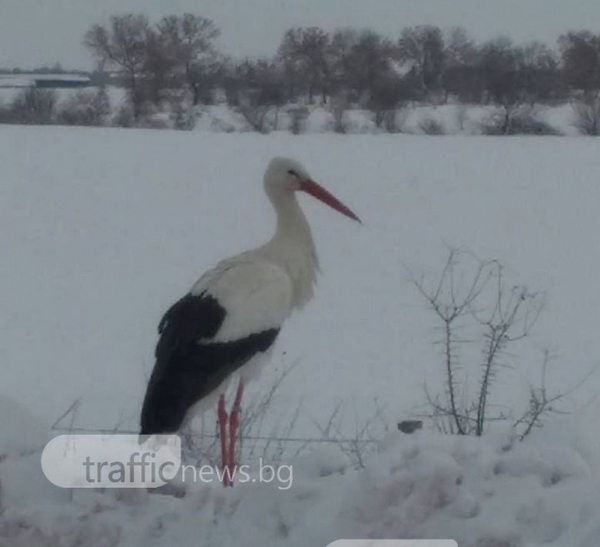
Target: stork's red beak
[(317, 191)]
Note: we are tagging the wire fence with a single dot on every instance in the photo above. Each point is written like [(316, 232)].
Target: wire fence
[(274, 446), (212, 436)]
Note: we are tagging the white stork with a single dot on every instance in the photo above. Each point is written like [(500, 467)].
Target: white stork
[(230, 319)]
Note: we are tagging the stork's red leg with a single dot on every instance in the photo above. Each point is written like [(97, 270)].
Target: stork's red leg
[(234, 423), (222, 419)]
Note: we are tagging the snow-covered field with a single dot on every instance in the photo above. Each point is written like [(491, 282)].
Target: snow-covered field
[(101, 229)]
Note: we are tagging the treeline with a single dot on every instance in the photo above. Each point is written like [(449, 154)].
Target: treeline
[(176, 62)]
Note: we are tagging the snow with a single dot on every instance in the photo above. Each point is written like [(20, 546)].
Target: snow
[(478, 491), (102, 229), (220, 119)]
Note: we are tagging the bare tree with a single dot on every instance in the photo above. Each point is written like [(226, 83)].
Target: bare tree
[(85, 108), (339, 111), (341, 58), (509, 319), (512, 77), (460, 48), (423, 47), (460, 56), (157, 73), (298, 116), (498, 62), (540, 75), (385, 96), (303, 54), (123, 46), (188, 41), (580, 53), (451, 305), (476, 306), (361, 68), (34, 106), (587, 114), (259, 93)]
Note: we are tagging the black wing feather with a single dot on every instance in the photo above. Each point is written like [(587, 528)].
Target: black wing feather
[(188, 369), (188, 320)]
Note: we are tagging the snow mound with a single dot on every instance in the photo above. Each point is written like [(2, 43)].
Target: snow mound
[(480, 492)]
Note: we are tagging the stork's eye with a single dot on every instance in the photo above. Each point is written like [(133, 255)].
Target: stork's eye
[(293, 173)]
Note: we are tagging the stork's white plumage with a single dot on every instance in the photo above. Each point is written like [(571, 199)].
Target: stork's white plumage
[(231, 317)]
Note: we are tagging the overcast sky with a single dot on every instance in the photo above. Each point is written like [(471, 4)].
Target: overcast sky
[(35, 32)]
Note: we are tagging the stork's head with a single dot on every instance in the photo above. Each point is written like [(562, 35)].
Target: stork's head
[(285, 176)]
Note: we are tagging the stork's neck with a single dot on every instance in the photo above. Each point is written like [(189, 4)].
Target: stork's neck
[(291, 222), (293, 248)]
